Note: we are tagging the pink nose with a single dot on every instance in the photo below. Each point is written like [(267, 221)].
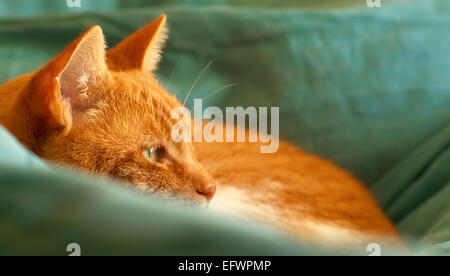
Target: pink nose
[(208, 191)]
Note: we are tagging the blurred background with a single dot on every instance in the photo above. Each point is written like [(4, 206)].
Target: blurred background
[(367, 88), (39, 7)]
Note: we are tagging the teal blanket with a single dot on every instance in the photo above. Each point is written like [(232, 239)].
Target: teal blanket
[(365, 88)]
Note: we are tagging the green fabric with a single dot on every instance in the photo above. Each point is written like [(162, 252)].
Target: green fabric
[(42, 212), (416, 195), (12, 152), (365, 88)]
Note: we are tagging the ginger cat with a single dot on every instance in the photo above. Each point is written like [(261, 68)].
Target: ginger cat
[(105, 112)]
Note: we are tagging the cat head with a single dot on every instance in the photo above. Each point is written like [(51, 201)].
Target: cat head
[(105, 112)]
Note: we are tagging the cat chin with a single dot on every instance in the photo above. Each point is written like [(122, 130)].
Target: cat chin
[(180, 202)]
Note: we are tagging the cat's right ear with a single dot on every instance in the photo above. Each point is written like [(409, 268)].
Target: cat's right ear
[(58, 86), (141, 50)]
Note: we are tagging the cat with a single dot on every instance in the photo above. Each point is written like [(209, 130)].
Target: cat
[(105, 112)]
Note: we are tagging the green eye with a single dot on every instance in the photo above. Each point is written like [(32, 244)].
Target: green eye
[(152, 154)]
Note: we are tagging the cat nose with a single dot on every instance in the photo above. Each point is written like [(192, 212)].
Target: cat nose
[(208, 191)]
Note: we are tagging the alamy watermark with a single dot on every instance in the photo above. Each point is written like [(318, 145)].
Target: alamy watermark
[(374, 3), (374, 249), (73, 3), (77, 3), (229, 128), (74, 249)]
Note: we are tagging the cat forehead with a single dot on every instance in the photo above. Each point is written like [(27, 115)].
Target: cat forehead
[(132, 88), (134, 98)]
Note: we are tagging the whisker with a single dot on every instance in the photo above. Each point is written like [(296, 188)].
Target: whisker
[(172, 74), (215, 92), (195, 83)]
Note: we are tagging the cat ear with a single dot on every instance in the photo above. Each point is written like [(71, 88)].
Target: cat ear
[(141, 50), (60, 84)]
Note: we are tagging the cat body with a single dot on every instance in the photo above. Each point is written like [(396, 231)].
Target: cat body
[(103, 111), (294, 190)]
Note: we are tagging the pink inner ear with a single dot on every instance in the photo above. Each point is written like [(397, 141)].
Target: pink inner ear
[(86, 64), (69, 88)]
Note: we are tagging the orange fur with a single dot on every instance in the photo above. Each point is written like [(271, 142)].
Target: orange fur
[(97, 110)]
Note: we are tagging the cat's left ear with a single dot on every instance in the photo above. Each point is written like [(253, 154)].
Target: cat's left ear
[(58, 87), (141, 50)]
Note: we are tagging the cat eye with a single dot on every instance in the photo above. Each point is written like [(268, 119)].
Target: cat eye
[(152, 153)]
